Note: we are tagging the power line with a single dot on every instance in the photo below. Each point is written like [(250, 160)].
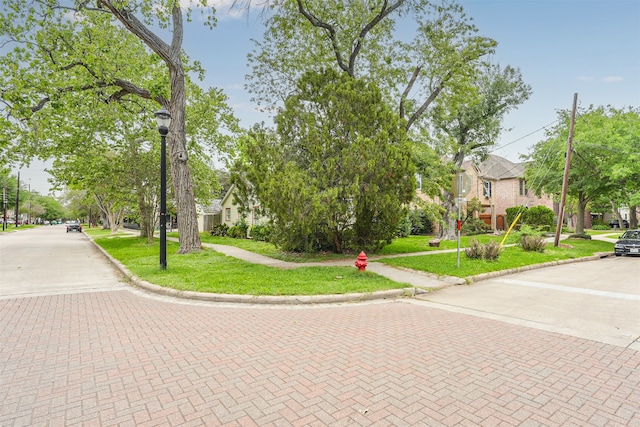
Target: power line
[(523, 137)]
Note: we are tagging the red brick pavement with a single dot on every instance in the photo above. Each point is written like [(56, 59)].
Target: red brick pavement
[(115, 358)]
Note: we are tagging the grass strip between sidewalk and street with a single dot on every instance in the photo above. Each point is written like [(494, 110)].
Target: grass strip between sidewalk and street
[(511, 257), (213, 272), (210, 271)]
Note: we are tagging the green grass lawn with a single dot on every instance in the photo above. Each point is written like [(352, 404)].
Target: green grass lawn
[(512, 257), (12, 227), (413, 244), (268, 249), (398, 246), (210, 271)]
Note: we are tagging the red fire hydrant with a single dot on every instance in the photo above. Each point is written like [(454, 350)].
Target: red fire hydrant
[(361, 262)]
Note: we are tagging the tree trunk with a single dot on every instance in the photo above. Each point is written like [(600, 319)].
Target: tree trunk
[(147, 215), (449, 218), (337, 246), (616, 211), (180, 172), (582, 208), (171, 54), (633, 217), (105, 220)]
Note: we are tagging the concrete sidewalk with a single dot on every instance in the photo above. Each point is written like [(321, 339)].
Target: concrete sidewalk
[(414, 278)]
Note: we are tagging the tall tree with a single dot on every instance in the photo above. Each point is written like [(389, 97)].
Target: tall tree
[(604, 163), (79, 37), (338, 172), (446, 56), (358, 38), (470, 126)]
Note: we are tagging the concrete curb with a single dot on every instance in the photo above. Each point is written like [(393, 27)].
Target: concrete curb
[(491, 275), (255, 299)]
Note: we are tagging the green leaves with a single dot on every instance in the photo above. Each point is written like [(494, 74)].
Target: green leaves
[(338, 172), (604, 163)]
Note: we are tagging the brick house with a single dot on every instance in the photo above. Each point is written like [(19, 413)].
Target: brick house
[(499, 184)]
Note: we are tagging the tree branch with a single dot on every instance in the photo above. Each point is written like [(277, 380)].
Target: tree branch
[(384, 12), (134, 25), (420, 111), (332, 35), (405, 94), (126, 88)]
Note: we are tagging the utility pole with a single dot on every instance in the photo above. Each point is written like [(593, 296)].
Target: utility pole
[(565, 180), (4, 205)]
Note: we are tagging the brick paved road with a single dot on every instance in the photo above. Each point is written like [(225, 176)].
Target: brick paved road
[(117, 358)]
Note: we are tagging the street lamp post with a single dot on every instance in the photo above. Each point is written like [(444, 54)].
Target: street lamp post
[(163, 118)]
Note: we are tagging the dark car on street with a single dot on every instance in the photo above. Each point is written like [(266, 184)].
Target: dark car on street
[(628, 244), (615, 224), (74, 226)]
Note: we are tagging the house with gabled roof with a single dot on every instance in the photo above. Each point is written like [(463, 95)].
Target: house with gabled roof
[(500, 184), (231, 215)]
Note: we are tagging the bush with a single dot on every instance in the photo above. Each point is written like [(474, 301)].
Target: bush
[(600, 227), (404, 227), (474, 251), (220, 230), (533, 243), (239, 230), (420, 222), (512, 213), (488, 252), (475, 226), (524, 231), (261, 233), (539, 216)]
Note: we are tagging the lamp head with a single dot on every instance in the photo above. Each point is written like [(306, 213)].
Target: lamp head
[(163, 119)]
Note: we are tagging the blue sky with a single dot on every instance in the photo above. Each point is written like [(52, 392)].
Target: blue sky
[(591, 47)]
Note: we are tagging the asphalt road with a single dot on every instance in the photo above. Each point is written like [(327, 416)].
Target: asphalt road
[(48, 260), (598, 300), (78, 347)]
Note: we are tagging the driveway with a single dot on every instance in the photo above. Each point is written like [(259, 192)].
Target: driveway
[(89, 351), (598, 300)]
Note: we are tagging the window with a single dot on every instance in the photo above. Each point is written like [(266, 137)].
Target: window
[(486, 188), (524, 191), (227, 214)]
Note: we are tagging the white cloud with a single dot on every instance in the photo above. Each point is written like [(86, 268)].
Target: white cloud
[(612, 79), (225, 9), (607, 79)]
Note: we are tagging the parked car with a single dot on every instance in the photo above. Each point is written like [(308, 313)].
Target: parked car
[(628, 244), (74, 226), (615, 224)]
